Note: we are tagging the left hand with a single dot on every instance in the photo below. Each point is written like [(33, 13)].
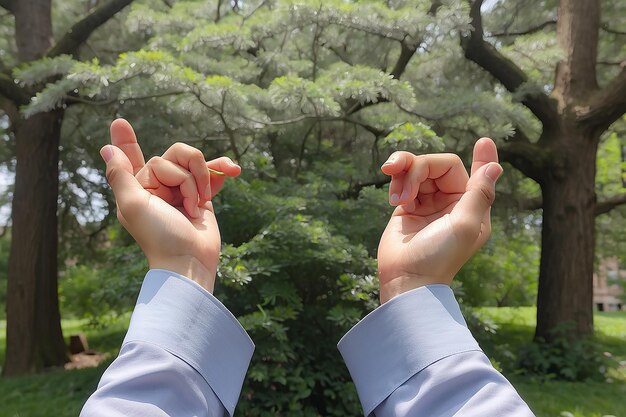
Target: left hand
[(442, 217), (165, 204)]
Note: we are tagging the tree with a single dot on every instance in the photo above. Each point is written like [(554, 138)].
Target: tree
[(34, 336), (301, 92), (298, 93), (574, 112)]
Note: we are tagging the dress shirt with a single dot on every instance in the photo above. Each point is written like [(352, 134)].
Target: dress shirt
[(185, 354)]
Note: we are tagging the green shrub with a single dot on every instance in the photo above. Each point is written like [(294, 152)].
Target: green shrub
[(102, 291), (563, 358), (297, 284)]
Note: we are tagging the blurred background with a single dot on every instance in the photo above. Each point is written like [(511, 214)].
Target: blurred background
[(310, 97)]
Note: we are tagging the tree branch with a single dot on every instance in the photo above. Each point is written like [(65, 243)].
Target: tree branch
[(81, 30), (517, 202), (407, 50), (609, 204), (11, 110), (602, 207), (531, 159), (528, 31), (373, 130), (605, 27), (354, 190), (503, 69), (7, 4), (12, 91), (610, 63), (608, 105), (406, 53), (75, 99)]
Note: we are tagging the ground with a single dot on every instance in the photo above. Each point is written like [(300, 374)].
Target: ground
[(66, 391)]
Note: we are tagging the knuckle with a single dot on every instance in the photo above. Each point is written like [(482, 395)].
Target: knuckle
[(197, 158), (154, 160), (197, 153), (488, 194), (111, 174)]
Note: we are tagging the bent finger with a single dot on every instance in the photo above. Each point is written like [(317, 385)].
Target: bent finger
[(161, 172), (409, 171), (192, 159)]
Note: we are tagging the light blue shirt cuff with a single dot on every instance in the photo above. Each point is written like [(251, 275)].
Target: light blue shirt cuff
[(183, 318), (401, 338)]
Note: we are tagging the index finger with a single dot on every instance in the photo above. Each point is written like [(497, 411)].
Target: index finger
[(409, 172), (123, 136)]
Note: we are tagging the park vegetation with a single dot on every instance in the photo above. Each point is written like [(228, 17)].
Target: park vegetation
[(310, 97)]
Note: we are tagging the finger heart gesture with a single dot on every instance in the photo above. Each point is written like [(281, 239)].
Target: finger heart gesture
[(165, 204), (442, 217)]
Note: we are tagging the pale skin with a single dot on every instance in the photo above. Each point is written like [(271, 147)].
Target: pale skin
[(442, 215), (165, 204)]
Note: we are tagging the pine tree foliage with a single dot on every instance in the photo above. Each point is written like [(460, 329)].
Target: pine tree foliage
[(273, 73), (284, 87), (310, 97)]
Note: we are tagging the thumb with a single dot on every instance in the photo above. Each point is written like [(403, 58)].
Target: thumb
[(129, 194), (479, 195)]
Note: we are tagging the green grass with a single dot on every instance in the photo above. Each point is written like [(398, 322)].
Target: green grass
[(59, 393), (62, 393), (555, 398)]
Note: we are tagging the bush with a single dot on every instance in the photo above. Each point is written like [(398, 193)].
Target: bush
[(105, 290), (563, 358), (296, 284)]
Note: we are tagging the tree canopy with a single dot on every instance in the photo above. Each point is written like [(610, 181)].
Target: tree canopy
[(310, 97)]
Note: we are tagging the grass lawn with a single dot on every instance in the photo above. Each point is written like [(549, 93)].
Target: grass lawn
[(59, 393), (62, 393), (558, 398)]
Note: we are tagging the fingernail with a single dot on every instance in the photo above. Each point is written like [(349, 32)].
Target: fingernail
[(391, 160), (493, 172), (106, 153), (395, 199)]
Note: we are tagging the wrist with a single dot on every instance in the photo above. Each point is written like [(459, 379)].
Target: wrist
[(187, 266), (399, 285)]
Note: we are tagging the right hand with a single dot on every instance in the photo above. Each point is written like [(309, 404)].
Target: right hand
[(165, 204), (442, 217)]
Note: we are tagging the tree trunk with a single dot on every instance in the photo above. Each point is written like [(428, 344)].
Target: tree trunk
[(573, 115), (565, 279), (34, 336)]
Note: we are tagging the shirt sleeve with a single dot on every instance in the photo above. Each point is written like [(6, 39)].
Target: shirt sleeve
[(184, 354), (415, 356)]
